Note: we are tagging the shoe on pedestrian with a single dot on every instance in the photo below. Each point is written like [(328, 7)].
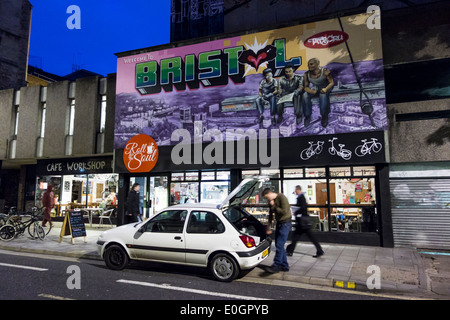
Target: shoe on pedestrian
[(289, 254), (272, 269), (324, 122), (284, 269), (299, 120), (318, 254)]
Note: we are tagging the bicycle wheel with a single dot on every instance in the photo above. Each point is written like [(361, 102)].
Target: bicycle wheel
[(36, 231), (7, 232), (47, 228)]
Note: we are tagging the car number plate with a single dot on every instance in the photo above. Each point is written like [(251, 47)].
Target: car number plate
[(265, 253)]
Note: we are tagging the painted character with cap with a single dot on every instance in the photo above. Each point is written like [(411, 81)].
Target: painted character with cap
[(268, 88)]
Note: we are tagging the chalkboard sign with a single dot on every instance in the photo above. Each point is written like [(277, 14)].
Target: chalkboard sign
[(73, 225), (77, 224)]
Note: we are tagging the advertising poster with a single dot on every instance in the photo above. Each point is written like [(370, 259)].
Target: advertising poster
[(320, 78)]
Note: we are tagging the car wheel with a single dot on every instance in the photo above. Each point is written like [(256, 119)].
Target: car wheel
[(116, 257), (224, 267)]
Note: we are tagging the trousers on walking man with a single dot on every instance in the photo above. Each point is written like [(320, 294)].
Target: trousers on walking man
[(303, 226)]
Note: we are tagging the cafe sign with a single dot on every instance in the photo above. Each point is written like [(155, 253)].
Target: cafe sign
[(140, 153), (92, 165)]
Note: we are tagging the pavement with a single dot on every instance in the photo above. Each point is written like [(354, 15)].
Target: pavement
[(400, 272)]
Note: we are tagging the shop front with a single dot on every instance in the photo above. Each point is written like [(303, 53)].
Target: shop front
[(78, 183), (310, 110)]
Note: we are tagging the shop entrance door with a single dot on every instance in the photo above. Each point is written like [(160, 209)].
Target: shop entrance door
[(322, 197), (158, 194)]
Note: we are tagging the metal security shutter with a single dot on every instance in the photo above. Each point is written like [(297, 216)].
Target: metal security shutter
[(421, 212)]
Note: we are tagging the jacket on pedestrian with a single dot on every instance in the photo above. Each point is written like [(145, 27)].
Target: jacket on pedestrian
[(132, 204), (281, 209), (302, 206), (48, 199)]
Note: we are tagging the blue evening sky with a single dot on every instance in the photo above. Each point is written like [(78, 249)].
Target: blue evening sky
[(107, 27)]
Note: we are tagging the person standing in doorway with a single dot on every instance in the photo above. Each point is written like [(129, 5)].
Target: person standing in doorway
[(281, 210), (48, 202), (132, 205), (302, 226)]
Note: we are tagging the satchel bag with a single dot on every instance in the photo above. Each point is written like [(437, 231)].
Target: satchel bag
[(304, 222)]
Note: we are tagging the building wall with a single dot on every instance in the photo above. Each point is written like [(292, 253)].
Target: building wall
[(28, 128), (57, 114), (87, 116), (15, 22), (419, 140), (6, 108)]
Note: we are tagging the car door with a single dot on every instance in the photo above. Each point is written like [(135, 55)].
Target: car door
[(204, 233), (162, 238)]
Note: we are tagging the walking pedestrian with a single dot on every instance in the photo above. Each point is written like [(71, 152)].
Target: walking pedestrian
[(281, 210), (132, 205), (48, 202), (303, 225)]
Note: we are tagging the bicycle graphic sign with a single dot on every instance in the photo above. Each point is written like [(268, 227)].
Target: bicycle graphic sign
[(346, 148)]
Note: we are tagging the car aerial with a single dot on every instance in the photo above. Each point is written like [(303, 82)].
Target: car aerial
[(222, 237)]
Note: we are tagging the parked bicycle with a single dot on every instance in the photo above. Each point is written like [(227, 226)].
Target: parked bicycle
[(16, 226), (14, 217)]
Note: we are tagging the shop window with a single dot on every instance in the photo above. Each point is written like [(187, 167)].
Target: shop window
[(80, 191), (249, 173), (214, 191), (293, 173), (315, 172), (178, 176), (184, 192), (223, 175), (364, 171), (271, 173), (191, 176), (208, 175), (340, 172)]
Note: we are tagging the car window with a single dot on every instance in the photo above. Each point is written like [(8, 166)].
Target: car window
[(204, 222), (170, 221)]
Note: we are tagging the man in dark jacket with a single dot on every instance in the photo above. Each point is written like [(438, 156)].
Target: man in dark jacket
[(132, 205), (302, 227)]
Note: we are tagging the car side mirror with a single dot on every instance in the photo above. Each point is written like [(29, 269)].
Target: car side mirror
[(142, 229)]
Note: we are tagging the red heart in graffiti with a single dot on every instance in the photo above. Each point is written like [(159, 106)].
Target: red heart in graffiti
[(255, 60)]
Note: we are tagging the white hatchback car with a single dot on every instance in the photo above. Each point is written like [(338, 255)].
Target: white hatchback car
[(225, 238)]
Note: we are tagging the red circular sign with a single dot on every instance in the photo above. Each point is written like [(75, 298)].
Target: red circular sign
[(140, 153)]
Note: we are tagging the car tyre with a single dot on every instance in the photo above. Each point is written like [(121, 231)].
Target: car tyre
[(223, 267), (116, 258)]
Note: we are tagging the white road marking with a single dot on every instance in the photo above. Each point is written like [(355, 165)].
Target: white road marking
[(22, 267), (50, 296), (208, 293)]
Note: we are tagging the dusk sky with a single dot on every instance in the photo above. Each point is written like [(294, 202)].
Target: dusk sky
[(106, 27)]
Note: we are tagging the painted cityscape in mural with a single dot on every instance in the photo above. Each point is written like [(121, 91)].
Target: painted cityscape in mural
[(357, 99)]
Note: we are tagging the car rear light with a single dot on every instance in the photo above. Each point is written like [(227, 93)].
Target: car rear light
[(248, 241)]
